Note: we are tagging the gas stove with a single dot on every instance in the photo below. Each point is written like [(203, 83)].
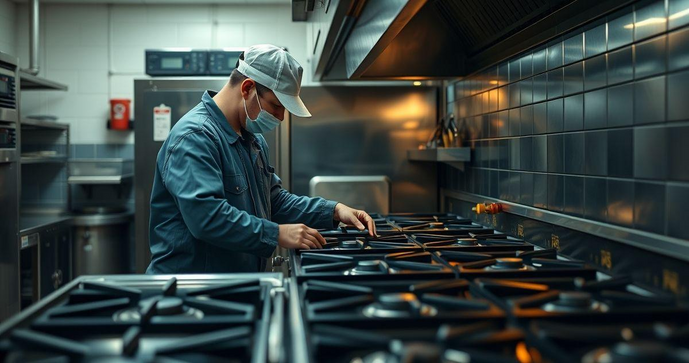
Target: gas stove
[(196, 318)]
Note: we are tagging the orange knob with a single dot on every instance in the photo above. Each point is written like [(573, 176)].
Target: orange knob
[(492, 208)]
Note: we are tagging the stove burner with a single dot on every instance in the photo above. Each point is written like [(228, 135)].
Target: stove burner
[(509, 263), (167, 306), (575, 301), (628, 352), (368, 267), (351, 244), (398, 305), (466, 242)]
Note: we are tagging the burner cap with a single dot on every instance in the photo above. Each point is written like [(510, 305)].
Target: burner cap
[(170, 306), (352, 243), (466, 242), (397, 305), (369, 265), (508, 263), (398, 301), (575, 301)]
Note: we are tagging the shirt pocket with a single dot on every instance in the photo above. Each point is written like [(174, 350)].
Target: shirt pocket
[(235, 184)]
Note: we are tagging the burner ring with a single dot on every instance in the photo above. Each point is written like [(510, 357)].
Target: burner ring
[(509, 263), (575, 301), (466, 242), (628, 352), (170, 306), (398, 305)]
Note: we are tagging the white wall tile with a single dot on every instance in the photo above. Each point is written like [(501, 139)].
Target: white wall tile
[(128, 58), (75, 13), (58, 34), (254, 13), (93, 82), (128, 13), (230, 35), (195, 35), (123, 85), (93, 33), (179, 14)]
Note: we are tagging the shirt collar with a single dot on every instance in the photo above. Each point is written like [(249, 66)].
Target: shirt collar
[(218, 116)]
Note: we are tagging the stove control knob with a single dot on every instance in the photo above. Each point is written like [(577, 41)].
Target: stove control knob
[(57, 278), (279, 260)]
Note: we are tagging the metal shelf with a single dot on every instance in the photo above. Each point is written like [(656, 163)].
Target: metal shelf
[(31, 82), (455, 156), (39, 124), (44, 159), (99, 180)]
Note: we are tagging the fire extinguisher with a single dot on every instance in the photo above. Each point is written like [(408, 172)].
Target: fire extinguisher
[(119, 113)]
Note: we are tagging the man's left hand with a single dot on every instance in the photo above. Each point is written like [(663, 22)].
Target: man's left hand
[(357, 218)]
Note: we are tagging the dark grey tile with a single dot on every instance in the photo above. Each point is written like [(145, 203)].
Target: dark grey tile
[(503, 154), (513, 90), (596, 40), (620, 153), (649, 207), (678, 7), (574, 196), (515, 185), (526, 118), (556, 193), (556, 159), (485, 154), (493, 153), (106, 151), (539, 153), (494, 184), (646, 15), (525, 147), (574, 113), (573, 78), (526, 189), (677, 201), (484, 182), (514, 154), (649, 100), (596, 153), (504, 187), (539, 61), (574, 153), (595, 109), (526, 65), (621, 105), (84, 151), (677, 91), (485, 124), (650, 57), (526, 90), (619, 32), (596, 199), (620, 66), (555, 115), (540, 84), (555, 55), (621, 202), (555, 83), (650, 153), (540, 190), (514, 71), (515, 122), (503, 74), (595, 72), (493, 129), (503, 98), (678, 153), (503, 124), (574, 48), (540, 118)]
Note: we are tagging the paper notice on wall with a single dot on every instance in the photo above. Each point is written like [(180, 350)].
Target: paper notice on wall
[(162, 116)]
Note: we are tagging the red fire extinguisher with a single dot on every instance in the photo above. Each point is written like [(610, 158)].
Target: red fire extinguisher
[(119, 113)]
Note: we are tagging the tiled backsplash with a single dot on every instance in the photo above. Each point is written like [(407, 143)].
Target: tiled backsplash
[(594, 124)]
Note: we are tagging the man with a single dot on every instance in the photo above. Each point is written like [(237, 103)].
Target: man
[(216, 204)]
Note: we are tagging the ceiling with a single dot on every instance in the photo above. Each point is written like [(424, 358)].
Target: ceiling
[(187, 2)]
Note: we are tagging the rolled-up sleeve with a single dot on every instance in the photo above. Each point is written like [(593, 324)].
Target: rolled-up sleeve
[(192, 173)]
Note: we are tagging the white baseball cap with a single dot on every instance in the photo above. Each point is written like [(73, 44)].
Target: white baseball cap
[(276, 69)]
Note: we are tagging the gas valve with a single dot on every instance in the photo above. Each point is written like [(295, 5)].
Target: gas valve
[(485, 208)]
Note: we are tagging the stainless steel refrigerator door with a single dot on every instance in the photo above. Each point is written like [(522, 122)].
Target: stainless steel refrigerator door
[(9, 242)]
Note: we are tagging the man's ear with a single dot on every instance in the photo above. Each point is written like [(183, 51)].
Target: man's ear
[(246, 87)]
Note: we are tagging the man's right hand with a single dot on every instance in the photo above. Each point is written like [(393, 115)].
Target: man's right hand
[(299, 236)]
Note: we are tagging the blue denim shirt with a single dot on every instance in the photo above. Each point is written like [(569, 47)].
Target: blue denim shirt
[(216, 201)]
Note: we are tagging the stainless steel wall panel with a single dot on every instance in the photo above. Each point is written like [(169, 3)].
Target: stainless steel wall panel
[(539, 85), (573, 78), (515, 158), (503, 74), (574, 113), (595, 72), (649, 207), (677, 95), (650, 153), (515, 122), (526, 189), (515, 186), (526, 65), (540, 189), (504, 188), (596, 199), (678, 153), (678, 13), (526, 118), (620, 153), (596, 40), (556, 158), (650, 57), (540, 118), (646, 15), (621, 105), (554, 55), (649, 100), (595, 109), (596, 153), (515, 71), (620, 66), (555, 115), (539, 61), (574, 48), (494, 184), (540, 153), (513, 91), (574, 196), (619, 32), (556, 193), (574, 153), (526, 91), (555, 83), (525, 153), (621, 202), (676, 211)]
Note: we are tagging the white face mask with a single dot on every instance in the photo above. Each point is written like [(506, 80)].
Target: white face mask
[(264, 122)]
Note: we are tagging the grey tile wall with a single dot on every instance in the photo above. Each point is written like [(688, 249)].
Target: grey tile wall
[(594, 124)]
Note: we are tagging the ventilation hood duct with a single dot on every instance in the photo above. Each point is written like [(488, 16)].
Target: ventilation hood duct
[(440, 39), (34, 21)]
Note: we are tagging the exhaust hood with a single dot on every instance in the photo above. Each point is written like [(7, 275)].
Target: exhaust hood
[(440, 39)]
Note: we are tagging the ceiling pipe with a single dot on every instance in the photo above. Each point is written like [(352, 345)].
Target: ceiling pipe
[(34, 19)]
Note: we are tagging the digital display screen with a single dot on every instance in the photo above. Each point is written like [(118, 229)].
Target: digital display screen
[(171, 63)]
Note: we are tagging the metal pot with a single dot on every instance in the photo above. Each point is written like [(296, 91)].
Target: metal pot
[(101, 243)]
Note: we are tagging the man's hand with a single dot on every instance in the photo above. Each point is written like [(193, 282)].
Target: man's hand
[(355, 217), (299, 236)]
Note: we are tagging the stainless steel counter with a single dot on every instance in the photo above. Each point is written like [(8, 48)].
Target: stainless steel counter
[(31, 223)]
